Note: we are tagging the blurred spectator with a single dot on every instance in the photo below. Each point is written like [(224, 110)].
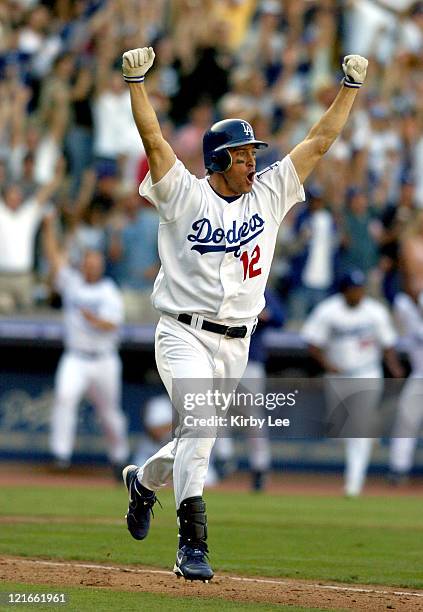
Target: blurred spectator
[(235, 15), (56, 92), (27, 181), (204, 72), (89, 233), (262, 131), (411, 256), (395, 218), (19, 221), (273, 62), (361, 230), (88, 217), (418, 161), (188, 142), (134, 257), (266, 41), (315, 244), (37, 43), (383, 143), (79, 138), (115, 133), (370, 29)]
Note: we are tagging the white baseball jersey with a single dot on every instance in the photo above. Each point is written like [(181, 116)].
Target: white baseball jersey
[(216, 255), (17, 235), (102, 298), (352, 338), (410, 318)]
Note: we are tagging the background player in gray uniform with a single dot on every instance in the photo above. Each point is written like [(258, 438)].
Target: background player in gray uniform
[(216, 242), (349, 334), (90, 365)]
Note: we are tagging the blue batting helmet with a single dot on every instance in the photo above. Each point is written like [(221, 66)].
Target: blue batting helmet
[(352, 278), (224, 135)]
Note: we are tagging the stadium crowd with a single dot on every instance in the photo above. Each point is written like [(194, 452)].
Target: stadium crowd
[(68, 140)]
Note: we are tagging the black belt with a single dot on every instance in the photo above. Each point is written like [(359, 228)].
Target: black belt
[(216, 328)]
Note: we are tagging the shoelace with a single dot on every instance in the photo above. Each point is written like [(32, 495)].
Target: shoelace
[(151, 507), (147, 501), (196, 553)]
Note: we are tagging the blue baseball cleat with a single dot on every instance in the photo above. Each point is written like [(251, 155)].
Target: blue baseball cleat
[(192, 564), (141, 502), (191, 558)]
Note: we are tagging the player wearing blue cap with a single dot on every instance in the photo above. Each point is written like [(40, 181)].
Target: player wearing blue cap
[(217, 237)]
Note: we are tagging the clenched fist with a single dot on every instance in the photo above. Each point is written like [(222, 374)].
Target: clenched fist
[(136, 63), (355, 70)]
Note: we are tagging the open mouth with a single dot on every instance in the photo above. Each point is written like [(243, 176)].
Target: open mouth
[(250, 178)]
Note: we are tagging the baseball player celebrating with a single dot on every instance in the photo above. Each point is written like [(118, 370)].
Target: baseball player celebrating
[(216, 242), (409, 419), (93, 312), (347, 334)]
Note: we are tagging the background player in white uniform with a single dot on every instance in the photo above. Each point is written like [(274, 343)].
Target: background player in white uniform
[(216, 242), (90, 365), (349, 334), (409, 419)]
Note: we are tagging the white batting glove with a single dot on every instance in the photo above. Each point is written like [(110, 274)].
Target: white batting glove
[(136, 63), (355, 70)]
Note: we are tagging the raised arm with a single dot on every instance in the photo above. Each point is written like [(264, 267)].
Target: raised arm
[(51, 248), (324, 133), (135, 64)]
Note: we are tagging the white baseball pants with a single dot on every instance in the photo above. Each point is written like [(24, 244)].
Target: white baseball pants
[(99, 379), (360, 397), (409, 421), (185, 352)]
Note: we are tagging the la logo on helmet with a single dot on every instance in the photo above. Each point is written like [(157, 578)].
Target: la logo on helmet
[(248, 130)]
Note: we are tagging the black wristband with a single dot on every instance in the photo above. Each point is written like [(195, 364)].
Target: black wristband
[(134, 79), (349, 82)]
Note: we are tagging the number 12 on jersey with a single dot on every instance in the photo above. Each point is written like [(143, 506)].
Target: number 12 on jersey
[(249, 265)]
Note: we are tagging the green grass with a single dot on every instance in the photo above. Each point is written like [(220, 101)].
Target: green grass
[(83, 599), (368, 540)]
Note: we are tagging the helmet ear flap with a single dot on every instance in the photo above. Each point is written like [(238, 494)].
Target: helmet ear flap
[(221, 161)]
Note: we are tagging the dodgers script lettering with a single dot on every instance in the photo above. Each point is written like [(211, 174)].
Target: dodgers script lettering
[(208, 239)]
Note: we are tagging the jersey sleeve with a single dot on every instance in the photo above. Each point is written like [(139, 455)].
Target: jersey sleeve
[(316, 328), (66, 278), (385, 327), (284, 187), (177, 191), (111, 309)]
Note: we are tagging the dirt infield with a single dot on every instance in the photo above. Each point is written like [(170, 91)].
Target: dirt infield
[(223, 586)]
